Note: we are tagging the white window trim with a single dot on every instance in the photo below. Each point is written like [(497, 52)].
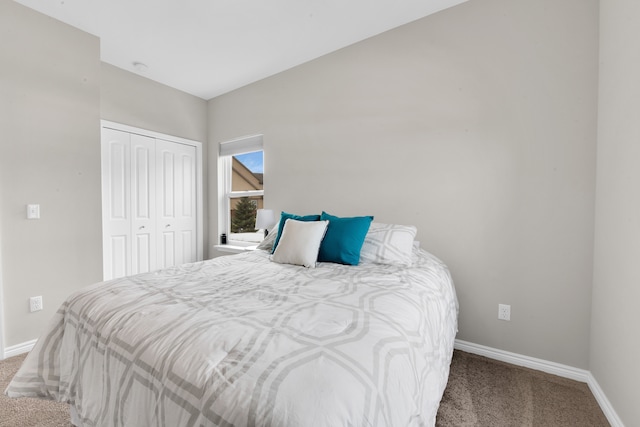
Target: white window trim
[(227, 150)]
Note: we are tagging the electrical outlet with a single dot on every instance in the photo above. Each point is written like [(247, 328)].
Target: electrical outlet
[(504, 312), (35, 303)]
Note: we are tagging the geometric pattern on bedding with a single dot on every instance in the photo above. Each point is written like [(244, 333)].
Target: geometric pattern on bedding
[(241, 341)]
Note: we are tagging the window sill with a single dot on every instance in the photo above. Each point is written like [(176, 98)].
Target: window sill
[(234, 249)]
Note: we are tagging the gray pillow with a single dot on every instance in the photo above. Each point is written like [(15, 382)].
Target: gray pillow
[(267, 243)]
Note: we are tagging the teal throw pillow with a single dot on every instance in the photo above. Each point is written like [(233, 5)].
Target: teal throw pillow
[(344, 238)]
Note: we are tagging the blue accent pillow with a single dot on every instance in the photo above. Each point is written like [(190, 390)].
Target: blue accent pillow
[(285, 216), (344, 238)]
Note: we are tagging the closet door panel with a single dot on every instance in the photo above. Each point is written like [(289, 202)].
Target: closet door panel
[(167, 249), (119, 256), (166, 201), (116, 203), (177, 196), (143, 202), (186, 204)]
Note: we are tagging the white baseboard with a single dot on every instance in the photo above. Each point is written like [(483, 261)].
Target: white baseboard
[(553, 368), (526, 361), (604, 403), (17, 349)]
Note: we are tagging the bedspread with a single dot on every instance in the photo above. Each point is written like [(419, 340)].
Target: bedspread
[(243, 341)]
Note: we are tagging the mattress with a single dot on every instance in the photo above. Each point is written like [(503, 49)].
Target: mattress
[(243, 341)]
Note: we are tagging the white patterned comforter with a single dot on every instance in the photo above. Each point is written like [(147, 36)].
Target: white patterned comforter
[(242, 341)]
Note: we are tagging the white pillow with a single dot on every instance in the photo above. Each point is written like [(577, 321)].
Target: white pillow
[(388, 244), (300, 242)]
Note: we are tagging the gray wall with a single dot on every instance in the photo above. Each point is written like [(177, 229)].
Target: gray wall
[(615, 349), (49, 154), (53, 92), (477, 125), (134, 100)]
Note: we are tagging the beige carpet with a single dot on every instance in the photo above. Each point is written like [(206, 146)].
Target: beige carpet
[(485, 392), (26, 411), (481, 392)]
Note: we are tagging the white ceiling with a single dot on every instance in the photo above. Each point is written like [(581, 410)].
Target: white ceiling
[(210, 47)]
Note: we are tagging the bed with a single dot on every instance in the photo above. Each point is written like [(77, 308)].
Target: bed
[(245, 341)]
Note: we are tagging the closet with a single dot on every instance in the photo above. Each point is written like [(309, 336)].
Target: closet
[(151, 200)]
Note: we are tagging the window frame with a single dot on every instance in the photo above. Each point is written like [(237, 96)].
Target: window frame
[(228, 149)]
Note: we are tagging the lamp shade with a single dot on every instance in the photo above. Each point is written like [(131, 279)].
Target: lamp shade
[(265, 218)]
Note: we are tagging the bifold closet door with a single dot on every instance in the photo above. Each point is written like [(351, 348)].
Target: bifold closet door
[(176, 170), (129, 202), (149, 203)]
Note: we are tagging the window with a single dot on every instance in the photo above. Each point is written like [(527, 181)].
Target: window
[(241, 177)]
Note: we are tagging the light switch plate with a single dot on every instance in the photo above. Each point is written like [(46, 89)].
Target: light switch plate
[(33, 211)]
